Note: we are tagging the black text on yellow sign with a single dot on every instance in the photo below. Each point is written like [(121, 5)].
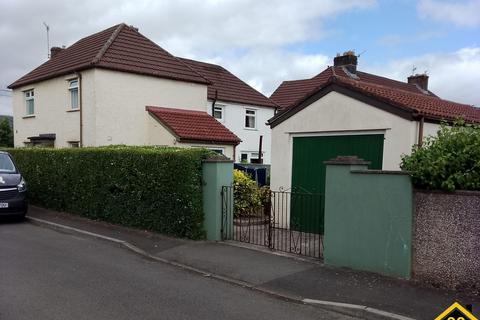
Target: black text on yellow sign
[(456, 312)]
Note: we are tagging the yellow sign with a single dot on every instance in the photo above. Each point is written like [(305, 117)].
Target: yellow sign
[(456, 312)]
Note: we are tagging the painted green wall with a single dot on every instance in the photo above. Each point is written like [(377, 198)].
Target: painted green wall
[(368, 220), (216, 173)]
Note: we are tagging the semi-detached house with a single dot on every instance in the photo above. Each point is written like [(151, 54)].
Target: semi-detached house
[(119, 87)]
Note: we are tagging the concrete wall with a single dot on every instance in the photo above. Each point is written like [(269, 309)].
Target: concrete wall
[(446, 239), (336, 114), (215, 175), (368, 219), (121, 99), (52, 111), (234, 119)]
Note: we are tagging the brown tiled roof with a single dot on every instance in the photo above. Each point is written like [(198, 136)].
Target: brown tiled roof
[(120, 48), (402, 95), (225, 86), (190, 125)]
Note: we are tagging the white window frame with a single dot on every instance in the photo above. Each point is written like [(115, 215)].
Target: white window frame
[(29, 95), (71, 88), (220, 108), (254, 115)]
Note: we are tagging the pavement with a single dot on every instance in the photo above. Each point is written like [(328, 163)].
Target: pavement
[(359, 294)]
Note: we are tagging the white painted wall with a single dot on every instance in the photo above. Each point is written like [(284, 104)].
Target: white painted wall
[(52, 106), (336, 113), (113, 107), (234, 119), (121, 99)]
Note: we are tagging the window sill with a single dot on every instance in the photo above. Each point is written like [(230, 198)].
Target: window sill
[(29, 116), (73, 110), (251, 129)]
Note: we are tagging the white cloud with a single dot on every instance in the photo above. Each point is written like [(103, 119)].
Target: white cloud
[(264, 69), (453, 76), (235, 32), (5, 104), (460, 13)]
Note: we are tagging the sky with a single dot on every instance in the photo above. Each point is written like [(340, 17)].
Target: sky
[(266, 42)]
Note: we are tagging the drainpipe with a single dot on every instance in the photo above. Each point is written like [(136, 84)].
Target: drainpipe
[(213, 103), (260, 159), (420, 131), (79, 76)]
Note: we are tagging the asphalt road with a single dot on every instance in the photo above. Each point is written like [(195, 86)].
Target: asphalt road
[(47, 274)]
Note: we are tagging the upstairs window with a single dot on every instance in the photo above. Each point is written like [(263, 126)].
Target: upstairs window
[(73, 90), (218, 113), (250, 119), (29, 103)]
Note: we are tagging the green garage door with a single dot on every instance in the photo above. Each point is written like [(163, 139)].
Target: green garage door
[(308, 171)]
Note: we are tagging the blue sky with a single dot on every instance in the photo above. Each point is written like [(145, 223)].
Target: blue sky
[(267, 42), (391, 30)]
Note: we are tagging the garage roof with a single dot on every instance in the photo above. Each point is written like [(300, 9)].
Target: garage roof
[(120, 48), (406, 97), (193, 126)]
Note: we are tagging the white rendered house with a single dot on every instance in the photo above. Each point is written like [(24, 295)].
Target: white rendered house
[(240, 108), (116, 87)]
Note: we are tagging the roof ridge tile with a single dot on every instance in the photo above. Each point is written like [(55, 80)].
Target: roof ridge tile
[(107, 44)]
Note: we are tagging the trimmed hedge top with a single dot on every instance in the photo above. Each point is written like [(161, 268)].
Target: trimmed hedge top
[(155, 188)]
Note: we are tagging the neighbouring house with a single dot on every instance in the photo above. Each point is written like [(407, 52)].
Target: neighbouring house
[(344, 112), (239, 107), (119, 87)]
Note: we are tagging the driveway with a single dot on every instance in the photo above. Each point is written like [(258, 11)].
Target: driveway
[(47, 274)]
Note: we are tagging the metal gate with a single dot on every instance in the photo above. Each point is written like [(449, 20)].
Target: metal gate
[(271, 224)]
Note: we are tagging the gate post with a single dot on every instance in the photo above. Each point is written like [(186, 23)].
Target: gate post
[(215, 174)]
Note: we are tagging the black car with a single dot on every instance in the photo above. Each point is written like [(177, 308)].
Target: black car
[(13, 189)]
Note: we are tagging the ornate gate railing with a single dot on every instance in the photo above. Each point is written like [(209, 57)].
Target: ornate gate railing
[(287, 221)]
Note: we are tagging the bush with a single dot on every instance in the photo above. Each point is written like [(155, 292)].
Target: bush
[(6, 133), (152, 188), (247, 201), (449, 161)]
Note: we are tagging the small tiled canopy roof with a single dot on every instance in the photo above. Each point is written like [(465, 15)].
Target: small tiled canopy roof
[(404, 96), (225, 86), (119, 48), (193, 126)]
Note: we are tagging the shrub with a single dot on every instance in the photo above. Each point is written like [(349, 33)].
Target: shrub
[(449, 161), (6, 133), (153, 188), (247, 201)]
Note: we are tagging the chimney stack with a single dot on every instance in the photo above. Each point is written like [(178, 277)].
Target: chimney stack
[(421, 80), (54, 51), (347, 60)]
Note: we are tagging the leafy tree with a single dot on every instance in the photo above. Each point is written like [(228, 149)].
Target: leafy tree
[(450, 161), (6, 134)]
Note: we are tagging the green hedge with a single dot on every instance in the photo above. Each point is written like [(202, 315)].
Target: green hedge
[(151, 188), (448, 161)]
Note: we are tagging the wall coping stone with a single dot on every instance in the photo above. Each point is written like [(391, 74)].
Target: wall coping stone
[(472, 193), (394, 172), (347, 160)]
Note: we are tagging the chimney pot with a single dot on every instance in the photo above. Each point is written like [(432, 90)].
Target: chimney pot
[(55, 50), (420, 80), (347, 60)]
